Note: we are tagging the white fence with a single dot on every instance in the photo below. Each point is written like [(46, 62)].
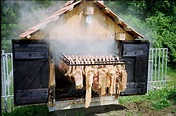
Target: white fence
[(157, 68), (7, 81), (156, 74)]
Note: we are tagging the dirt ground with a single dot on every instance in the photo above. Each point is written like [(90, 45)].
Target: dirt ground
[(132, 109)]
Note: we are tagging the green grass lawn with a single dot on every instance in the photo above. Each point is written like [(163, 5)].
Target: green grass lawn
[(157, 99), (32, 110), (171, 77)]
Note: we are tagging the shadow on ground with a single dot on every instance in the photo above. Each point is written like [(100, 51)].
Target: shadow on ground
[(91, 111)]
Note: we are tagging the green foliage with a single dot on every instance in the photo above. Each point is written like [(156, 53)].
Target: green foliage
[(171, 77), (10, 17), (158, 99), (159, 30), (33, 110), (162, 98), (6, 45), (140, 26), (134, 8), (130, 99), (161, 103), (159, 94), (43, 3), (172, 95), (164, 27), (155, 20), (11, 26)]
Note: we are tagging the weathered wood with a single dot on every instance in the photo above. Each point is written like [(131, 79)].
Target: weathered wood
[(73, 24), (38, 35), (31, 71), (135, 54), (52, 74)]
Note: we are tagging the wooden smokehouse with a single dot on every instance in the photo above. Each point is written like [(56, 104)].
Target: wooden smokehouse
[(81, 55)]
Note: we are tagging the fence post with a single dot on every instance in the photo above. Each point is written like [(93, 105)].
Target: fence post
[(150, 63), (3, 70), (6, 81)]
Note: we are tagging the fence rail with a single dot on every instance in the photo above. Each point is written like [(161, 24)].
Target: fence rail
[(7, 81), (157, 73), (157, 70)]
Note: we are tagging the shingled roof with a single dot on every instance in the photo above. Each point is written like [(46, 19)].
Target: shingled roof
[(55, 16)]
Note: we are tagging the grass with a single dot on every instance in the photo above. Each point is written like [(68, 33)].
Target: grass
[(171, 77), (157, 99), (33, 110)]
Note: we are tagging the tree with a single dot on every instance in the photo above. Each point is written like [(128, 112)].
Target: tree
[(165, 27), (9, 16), (155, 19), (12, 24)]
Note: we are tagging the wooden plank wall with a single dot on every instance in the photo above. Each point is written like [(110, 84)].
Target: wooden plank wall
[(73, 25)]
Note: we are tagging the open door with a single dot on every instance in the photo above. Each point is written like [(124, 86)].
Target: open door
[(31, 71), (136, 55)]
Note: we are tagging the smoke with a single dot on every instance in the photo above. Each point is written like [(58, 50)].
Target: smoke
[(84, 47), (31, 12), (134, 16), (140, 26), (25, 14), (65, 39), (80, 40)]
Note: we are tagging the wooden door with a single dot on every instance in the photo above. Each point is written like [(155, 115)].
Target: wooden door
[(136, 55), (31, 71)]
